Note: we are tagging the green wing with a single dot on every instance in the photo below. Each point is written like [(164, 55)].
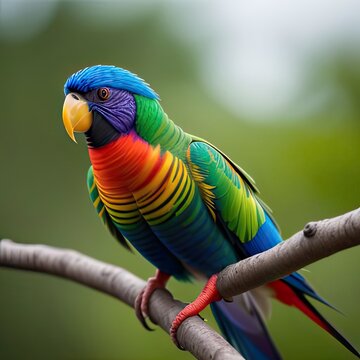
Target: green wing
[(101, 210), (247, 178), (227, 189)]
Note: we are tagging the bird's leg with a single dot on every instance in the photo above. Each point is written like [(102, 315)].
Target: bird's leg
[(208, 295), (142, 300)]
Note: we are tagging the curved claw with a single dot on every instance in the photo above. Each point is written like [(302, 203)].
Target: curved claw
[(141, 304), (208, 295), (173, 330), (138, 311)]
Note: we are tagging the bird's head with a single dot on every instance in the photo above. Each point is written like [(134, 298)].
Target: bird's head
[(100, 101)]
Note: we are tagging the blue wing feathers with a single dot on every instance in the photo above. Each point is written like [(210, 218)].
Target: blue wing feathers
[(245, 329)]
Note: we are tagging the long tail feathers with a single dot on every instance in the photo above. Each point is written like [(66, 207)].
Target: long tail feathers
[(298, 282), (243, 326), (287, 293)]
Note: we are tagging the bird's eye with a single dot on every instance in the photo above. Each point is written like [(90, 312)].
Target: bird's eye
[(103, 93)]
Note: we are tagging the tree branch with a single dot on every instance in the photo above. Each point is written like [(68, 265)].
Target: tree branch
[(193, 335), (317, 240)]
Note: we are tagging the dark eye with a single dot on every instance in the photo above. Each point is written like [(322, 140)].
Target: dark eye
[(103, 93)]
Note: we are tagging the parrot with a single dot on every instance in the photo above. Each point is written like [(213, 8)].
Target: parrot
[(182, 203)]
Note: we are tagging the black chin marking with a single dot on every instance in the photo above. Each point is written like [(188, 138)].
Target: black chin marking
[(101, 132)]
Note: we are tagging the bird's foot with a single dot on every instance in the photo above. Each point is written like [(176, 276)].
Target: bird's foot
[(208, 295), (142, 300)]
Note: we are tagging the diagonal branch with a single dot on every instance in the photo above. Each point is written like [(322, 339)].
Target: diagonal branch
[(194, 335), (317, 240)]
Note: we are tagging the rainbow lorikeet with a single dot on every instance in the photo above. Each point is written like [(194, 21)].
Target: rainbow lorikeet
[(181, 202)]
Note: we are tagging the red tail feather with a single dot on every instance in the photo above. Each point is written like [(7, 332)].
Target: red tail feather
[(288, 296), (292, 297)]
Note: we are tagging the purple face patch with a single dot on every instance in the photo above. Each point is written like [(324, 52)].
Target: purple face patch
[(119, 109)]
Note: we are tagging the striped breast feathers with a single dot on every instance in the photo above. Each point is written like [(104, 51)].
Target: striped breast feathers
[(102, 211)]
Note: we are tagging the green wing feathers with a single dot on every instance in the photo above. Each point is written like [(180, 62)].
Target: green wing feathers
[(226, 189), (101, 210), (245, 176)]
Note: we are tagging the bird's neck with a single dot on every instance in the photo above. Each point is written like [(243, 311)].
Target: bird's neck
[(153, 125), (100, 133)]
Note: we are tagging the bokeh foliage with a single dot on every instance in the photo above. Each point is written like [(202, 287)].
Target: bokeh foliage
[(306, 170)]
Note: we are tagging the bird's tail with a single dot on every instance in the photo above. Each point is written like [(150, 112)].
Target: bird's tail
[(241, 323), (291, 291)]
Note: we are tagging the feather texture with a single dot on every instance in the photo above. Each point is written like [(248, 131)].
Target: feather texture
[(108, 76), (152, 191), (242, 326), (226, 191)]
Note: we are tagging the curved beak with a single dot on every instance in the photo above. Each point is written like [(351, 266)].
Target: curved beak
[(76, 114)]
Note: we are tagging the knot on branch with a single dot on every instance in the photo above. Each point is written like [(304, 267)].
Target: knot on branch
[(310, 229)]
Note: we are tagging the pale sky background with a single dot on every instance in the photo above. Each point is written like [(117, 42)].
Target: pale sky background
[(254, 56)]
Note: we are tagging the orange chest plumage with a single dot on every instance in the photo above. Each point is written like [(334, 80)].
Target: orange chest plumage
[(132, 175), (128, 164)]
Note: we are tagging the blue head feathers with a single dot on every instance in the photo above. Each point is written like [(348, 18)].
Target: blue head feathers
[(108, 76)]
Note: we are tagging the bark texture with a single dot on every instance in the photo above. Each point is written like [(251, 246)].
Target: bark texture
[(194, 334)]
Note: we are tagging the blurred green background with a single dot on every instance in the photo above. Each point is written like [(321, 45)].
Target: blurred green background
[(304, 158)]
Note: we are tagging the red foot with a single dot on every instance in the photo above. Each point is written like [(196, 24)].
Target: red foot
[(208, 295), (142, 300)]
